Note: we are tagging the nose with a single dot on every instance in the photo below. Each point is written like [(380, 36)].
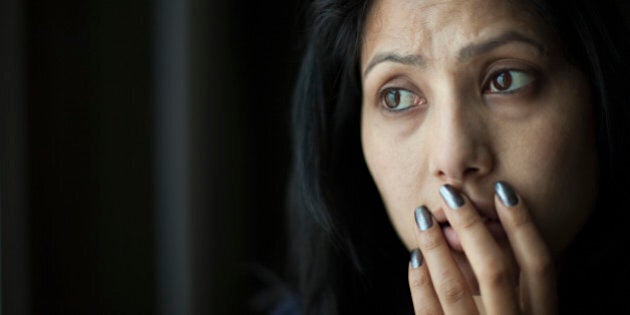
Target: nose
[(460, 146)]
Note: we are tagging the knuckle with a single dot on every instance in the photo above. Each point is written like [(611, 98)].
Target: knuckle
[(542, 267), (453, 291), (469, 221), (495, 273), (418, 280), (520, 219), (431, 241)]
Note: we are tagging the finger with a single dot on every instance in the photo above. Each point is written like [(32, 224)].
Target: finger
[(425, 301), (448, 281), (534, 258), (489, 262)]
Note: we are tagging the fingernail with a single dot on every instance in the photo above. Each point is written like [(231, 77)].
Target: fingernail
[(416, 258), (453, 199), (423, 218), (506, 194)]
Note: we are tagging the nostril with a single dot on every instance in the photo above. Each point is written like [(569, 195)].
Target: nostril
[(471, 171), (454, 169)]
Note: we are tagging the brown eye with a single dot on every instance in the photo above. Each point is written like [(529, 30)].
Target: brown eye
[(399, 99), (509, 81), (392, 98), (503, 81)]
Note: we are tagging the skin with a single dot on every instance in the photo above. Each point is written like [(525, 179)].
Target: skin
[(461, 127)]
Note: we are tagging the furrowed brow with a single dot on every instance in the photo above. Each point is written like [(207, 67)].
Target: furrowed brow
[(476, 49), (411, 60)]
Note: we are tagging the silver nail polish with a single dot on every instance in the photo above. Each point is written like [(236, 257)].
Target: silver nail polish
[(423, 218), (453, 199), (416, 258), (506, 194)]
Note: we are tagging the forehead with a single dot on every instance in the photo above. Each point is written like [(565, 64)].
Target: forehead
[(423, 26)]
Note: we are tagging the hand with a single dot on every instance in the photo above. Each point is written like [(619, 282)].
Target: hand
[(437, 284)]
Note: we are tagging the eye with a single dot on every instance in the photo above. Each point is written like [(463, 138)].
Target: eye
[(508, 81), (395, 99)]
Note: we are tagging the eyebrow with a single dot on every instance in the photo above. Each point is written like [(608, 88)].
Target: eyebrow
[(410, 60), (465, 53)]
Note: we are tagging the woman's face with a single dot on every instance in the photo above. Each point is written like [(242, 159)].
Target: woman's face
[(467, 93)]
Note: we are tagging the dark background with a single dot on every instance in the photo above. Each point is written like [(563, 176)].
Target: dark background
[(144, 149), (144, 153)]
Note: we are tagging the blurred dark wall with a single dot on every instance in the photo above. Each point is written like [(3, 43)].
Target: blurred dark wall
[(14, 238), (86, 237)]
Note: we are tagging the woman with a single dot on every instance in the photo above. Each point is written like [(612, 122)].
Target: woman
[(485, 137)]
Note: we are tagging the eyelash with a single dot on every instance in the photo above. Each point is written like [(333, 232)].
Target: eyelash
[(524, 77), (530, 77), (401, 95)]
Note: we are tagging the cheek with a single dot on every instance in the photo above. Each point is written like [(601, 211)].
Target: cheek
[(554, 166), (395, 168)]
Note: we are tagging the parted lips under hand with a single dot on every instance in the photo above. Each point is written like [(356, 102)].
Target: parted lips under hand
[(437, 283)]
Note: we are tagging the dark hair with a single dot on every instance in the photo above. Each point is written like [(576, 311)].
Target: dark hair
[(344, 255)]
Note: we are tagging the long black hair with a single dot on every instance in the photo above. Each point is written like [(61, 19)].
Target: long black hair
[(344, 255)]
